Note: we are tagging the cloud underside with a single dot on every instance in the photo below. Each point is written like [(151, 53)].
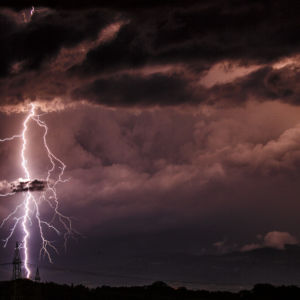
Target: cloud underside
[(149, 56)]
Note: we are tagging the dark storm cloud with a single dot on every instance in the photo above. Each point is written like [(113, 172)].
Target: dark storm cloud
[(21, 185), (265, 84), (203, 34), (194, 37), (35, 185), (33, 43), (117, 4), (173, 30), (135, 90)]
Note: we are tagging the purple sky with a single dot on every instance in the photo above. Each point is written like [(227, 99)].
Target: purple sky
[(179, 125)]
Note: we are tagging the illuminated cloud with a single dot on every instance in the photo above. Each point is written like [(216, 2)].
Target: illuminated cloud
[(273, 239)]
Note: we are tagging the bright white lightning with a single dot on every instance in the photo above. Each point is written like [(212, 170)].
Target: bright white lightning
[(29, 208)]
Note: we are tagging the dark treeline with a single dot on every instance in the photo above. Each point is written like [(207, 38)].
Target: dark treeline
[(26, 289)]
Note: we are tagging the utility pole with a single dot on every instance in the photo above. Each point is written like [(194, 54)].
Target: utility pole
[(37, 277), (17, 263)]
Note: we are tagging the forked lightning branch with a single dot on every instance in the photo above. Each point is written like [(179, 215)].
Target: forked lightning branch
[(34, 193)]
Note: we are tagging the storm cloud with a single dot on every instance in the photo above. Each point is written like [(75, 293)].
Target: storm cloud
[(178, 122), (178, 44)]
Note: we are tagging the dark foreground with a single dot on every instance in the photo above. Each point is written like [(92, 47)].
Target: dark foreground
[(26, 289)]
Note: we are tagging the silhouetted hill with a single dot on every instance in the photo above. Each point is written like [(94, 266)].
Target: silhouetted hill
[(29, 290), (231, 271)]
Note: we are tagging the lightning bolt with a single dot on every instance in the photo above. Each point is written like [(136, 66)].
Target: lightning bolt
[(30, 206)]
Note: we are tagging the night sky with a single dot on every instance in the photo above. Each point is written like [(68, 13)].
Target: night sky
[(179, 123)]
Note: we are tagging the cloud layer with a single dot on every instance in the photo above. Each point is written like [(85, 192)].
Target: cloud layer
[(155, 55), (179, 123)]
